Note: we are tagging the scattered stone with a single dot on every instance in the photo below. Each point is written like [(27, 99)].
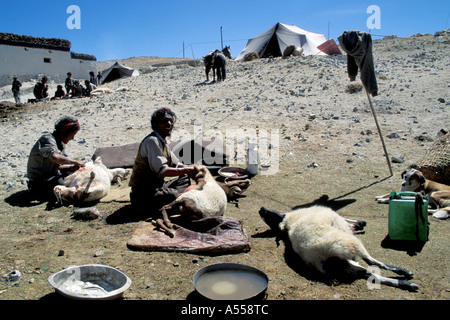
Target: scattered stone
[(399, 159), (393, 135), (90, 213), (98, 253)]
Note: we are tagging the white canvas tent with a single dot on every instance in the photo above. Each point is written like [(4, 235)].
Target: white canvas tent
[(274, 41), (117, 71)]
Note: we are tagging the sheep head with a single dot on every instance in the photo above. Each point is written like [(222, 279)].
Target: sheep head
[(271, 218)]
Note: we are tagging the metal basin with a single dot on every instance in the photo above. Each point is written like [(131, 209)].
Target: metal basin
[(234, 173), (90, 282), (231, 281)]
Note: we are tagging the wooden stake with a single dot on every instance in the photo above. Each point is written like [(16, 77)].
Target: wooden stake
[(380, 134)]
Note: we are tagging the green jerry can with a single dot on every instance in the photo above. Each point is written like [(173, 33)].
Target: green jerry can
[(408, 216)]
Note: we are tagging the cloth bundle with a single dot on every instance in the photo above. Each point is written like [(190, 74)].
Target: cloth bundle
[(358, 46)]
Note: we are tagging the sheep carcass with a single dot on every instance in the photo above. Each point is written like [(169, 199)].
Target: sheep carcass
[(318, 233), (89, 183), (206, 199)]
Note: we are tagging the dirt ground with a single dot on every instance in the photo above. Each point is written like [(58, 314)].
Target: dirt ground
[(351, 171), (36, 236)]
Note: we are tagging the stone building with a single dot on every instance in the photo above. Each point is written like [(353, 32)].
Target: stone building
[(30, 57)]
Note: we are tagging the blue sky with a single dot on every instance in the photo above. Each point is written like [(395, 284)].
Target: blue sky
[(122, 29)]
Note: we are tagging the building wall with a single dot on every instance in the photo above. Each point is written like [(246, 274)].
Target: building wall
[(28, 63)]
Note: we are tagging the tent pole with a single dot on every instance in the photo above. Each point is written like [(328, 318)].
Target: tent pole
[(221, 38), (380, 134), (328, 30)]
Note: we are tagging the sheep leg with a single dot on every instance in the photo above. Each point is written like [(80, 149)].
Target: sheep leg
[(373, 262), (190, 207), (383, 199), (243, 184), (356, 224), (160, 223), (377, 279), (84, 193), (165, 216)]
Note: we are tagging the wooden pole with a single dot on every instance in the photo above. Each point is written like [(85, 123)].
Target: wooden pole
[(380, 134), (221, 38)]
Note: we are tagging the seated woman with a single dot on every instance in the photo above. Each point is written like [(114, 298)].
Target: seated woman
[(59, 93), (40, 89), (47, 162)]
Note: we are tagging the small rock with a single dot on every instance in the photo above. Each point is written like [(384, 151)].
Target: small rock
[(90, 213), (393, 135), (399, 159), (60, 253), (98, 253)]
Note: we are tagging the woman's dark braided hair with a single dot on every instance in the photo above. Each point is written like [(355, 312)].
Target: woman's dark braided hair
[(64, 126)]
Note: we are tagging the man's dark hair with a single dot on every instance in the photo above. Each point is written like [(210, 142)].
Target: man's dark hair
[(159, 115)]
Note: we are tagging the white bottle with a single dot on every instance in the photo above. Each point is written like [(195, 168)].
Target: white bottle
[(252, 158)]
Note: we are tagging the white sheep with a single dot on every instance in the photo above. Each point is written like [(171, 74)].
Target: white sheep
[(318, 233), (89, 183), (205, 199)]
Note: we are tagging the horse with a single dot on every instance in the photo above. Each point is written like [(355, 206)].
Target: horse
[(211, 62), (219, 66), (227, 52)]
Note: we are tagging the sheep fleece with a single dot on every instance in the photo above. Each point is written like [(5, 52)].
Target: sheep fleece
[(313, 239), (211, 200)]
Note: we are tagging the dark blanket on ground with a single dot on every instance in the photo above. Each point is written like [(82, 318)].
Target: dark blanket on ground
[(117, 156), (215, 235)]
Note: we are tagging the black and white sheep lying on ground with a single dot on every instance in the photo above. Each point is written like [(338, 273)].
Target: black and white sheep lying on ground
[(318, 233), (89, 183), (206, 198)]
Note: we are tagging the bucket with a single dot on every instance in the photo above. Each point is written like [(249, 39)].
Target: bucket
[(408, 216)]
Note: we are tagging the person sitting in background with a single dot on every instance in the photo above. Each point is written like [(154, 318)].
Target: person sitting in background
[(40, 89), (77, 89), (59, 93), (48, 163), (89, 88)]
